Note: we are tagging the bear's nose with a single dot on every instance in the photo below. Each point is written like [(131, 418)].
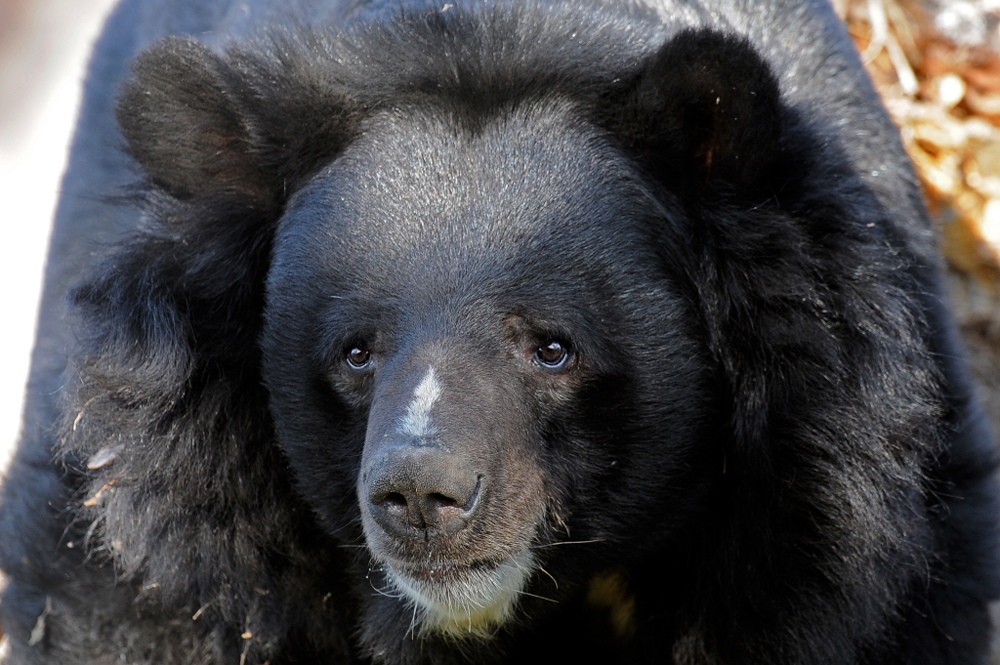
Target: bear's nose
[(422, 487)]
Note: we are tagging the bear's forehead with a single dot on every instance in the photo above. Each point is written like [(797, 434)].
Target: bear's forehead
[(422, 189)]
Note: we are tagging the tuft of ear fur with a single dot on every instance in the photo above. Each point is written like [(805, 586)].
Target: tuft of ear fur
[(705, 109)]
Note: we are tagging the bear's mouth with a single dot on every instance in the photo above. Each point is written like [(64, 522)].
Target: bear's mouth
[(461, 600)]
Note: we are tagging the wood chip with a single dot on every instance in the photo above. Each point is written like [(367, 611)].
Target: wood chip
[(92, 501), (104, 456)]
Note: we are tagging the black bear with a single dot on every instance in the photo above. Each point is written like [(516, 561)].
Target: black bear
[(504, 332)]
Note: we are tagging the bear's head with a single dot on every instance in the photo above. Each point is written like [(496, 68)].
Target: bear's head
[(473, 311)]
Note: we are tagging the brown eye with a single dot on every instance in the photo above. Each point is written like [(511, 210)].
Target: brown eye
[(551, 355), (359, 357)]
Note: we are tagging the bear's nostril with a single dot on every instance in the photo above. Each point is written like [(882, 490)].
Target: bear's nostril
[(465, 504), (441, 501), (392, 501)]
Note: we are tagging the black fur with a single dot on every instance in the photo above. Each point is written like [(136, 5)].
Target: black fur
[(758, 444)]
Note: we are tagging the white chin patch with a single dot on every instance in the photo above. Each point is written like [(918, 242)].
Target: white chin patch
[(465, 603)]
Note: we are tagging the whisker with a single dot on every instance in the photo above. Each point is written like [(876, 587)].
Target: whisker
[(568, 542), (413, 624), (533, 595), (550, 577)]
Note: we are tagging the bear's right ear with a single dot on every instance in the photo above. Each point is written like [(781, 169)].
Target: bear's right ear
[(184, 124), (703, 112)]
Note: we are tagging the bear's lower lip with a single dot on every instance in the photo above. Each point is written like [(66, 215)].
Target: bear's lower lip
[(443, 573), (462, 599), (436, 574)]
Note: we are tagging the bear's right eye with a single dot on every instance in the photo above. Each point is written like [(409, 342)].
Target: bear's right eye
[(552, 355), (358, 357)]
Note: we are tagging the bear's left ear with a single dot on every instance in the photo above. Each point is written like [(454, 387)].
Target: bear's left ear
[(704, 110)]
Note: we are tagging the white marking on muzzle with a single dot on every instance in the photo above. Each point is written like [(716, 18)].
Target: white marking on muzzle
[(417, 421)]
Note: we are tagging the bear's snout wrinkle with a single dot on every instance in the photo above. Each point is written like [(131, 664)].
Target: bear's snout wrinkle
[(411, 488)]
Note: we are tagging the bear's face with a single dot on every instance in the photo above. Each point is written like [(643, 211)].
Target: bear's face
[(473, 349)]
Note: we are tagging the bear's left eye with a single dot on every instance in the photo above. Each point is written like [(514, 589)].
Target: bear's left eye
[(358, 357), (552, 355)]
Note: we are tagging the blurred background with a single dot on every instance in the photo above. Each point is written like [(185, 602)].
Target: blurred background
[(43, 49), (937, 65)]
